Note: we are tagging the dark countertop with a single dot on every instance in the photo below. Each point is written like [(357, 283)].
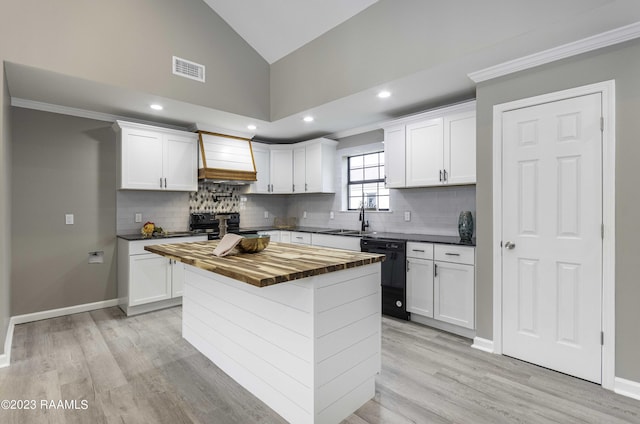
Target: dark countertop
[(425, 238), (177, 234)]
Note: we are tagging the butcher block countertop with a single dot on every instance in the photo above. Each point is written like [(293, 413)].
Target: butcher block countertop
[(278, 263)]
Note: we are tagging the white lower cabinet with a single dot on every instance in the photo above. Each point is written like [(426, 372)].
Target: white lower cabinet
[(274, 235), (441, 285), (298, 237), (420, 286), (147, 281), (336, 242), (453, 293)]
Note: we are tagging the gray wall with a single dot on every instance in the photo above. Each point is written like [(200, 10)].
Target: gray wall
[(397, 39), (61, 164), (5, 211), (130, 44), (621, 63)]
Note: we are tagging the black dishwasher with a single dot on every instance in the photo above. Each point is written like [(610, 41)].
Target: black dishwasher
[(394, 277)]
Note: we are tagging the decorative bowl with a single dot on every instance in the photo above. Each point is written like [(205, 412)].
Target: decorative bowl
[(254, 243)]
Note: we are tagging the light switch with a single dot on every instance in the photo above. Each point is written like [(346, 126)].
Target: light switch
[(138, 217), (266, 214), (407, 216), (304, 215), (331, 215), (96, 257), (68, 219)]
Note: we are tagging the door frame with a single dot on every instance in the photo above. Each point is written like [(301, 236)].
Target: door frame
[(607, 89)]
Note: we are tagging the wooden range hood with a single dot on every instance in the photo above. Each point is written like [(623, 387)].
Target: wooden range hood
[(225, 158)]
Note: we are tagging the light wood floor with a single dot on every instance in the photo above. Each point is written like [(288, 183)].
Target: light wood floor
[(139, 370)]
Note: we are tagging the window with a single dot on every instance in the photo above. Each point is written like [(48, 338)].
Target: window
[(365, 182)]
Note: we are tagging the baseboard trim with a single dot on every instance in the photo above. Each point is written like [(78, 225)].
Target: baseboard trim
[(627, 388), (5, 358), (69, 310), (484, 345)]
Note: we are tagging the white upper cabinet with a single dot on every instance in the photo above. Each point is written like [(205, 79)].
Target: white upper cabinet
[(460, 148), (262, 159), (281, 166), (307, 167), (424, 153), (319, 166), (299, 169), (153, 158), (432, 149), (394, 155)]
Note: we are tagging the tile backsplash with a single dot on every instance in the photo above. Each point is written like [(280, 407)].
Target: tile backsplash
[(433, 210)]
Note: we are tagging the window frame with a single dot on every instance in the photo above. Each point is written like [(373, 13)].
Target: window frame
[(363, 182)]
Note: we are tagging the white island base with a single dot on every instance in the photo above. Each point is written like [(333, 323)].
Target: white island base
[(308, 348)]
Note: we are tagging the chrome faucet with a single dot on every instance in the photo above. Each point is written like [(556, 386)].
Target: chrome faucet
[(363, 224)]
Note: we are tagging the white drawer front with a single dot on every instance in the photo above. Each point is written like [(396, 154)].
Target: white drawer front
[(455, 254), (137, 247), (419, 250), (300, 238)]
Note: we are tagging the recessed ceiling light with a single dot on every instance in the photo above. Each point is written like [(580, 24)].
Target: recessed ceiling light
[(384, 94), (251, 127), (156, 106), (308, 119)]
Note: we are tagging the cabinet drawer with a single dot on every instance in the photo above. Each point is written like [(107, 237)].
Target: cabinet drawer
[(419, 250), (300, 238), (455, 254)]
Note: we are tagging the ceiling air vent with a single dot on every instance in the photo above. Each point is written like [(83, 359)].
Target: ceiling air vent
[(188, 69)]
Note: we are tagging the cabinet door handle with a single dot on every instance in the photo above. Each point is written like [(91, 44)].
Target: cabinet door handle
[(435, 270), (408, 266), (452, 254), (305, 186), (293, 188), (441, 175), (299, 238), (446, 175), (165, 183), (418, 250), (160, 182)]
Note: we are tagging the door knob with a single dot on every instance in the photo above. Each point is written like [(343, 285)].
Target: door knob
[(509, 245)]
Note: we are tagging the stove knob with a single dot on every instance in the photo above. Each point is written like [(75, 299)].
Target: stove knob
[(399, 303)]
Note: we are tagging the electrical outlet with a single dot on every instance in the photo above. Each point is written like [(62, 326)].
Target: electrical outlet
[(407, 216), (332, 215), (304, 215), (266, 214), (138, 217), (68, 219)]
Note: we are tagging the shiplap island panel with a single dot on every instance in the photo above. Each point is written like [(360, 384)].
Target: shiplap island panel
[(297, 326)]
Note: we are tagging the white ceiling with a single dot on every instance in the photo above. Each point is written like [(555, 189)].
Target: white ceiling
[(275, 28)]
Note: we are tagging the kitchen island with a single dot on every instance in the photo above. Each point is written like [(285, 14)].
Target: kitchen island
[(297, 326)]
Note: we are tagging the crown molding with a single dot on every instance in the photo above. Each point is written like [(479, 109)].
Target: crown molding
[(598, 41), (83, 113)]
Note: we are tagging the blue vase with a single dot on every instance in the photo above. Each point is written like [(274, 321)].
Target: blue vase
[(465, 226)]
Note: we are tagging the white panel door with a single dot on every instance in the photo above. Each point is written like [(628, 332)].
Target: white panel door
[(460, 148), (180, 163), (281, 165), (425, 153), (141, 160), (552, 252)]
